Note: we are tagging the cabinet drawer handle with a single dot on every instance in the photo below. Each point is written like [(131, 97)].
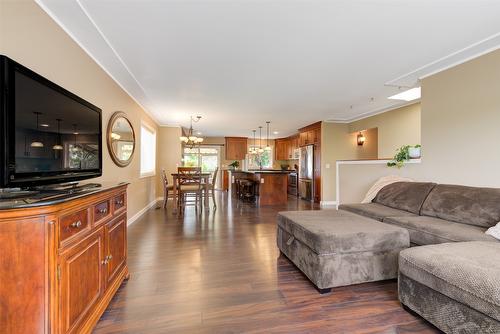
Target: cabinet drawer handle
[(76, 224), (102, 211), (119, 202), (107, 259)]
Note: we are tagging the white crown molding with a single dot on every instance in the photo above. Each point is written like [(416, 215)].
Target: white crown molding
[(94, 58), (372, 113), (470, 52)]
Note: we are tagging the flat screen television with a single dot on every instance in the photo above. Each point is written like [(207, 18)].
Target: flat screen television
[(48, 134)]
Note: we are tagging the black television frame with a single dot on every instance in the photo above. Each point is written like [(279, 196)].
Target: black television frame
[(8, 177)]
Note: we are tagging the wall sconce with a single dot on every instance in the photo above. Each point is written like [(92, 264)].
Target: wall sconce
[(361, 139)]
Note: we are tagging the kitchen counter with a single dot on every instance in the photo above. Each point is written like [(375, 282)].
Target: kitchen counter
[(271, 185)]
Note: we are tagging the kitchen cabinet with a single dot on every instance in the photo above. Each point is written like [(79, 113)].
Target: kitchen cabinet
[(281, 149), (236, 148)]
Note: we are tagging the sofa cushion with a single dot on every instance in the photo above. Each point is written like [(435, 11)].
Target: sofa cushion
[(429, 230), (407, 196), (374, 210), (467, 272), (337, 231), (467, 205)]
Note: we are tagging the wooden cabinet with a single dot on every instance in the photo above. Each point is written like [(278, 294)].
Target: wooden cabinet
[(116, 247), (310, 134), (81, 275), (236, 148), (62, 263), (284, 147), (281, 149), (225, 180)]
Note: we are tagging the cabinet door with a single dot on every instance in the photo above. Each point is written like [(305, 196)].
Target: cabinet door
[(82, 280), (116, 247), (236, 148), (303, 139)]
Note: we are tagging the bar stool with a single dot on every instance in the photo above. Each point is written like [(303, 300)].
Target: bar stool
[(247, 190)]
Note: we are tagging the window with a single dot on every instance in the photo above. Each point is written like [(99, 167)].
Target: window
[(205, 157), (148, 151), (255, 160)]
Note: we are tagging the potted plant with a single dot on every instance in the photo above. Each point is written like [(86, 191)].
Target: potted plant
[(404, 154), (414, 151), (235, 164)]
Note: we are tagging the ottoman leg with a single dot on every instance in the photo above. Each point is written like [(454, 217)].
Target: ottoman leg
[(323, 291)]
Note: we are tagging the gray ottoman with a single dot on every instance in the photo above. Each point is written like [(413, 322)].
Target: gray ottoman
[(455, 286), (336, 248)]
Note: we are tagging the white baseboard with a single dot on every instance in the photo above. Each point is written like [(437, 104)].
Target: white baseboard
[(141, 212), (328, 203)]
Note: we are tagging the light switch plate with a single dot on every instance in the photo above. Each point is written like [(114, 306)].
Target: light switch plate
[(327, 166)]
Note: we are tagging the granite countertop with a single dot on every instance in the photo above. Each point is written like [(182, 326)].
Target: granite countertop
[(29, 199), (266, 171)]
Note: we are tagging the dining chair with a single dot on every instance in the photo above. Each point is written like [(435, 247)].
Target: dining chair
[(166, 187), (211, 186), (189, 186)]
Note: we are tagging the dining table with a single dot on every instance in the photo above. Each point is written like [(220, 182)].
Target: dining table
[(204, 179)]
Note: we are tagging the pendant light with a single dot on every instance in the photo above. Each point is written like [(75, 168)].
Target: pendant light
[(37, 142), (253, 149), (58, 145), (260, 150), (191, 140), (268, 148)]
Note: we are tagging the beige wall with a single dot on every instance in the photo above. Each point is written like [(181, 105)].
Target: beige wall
[(169, 153), (338, 143), (369, 150), (396, 128), (29, 36), (460, 123), (460, 118)]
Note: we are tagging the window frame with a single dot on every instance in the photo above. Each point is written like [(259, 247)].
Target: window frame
[(152, 130)]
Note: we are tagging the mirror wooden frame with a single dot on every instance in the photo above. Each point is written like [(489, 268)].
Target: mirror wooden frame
[(116, 160)]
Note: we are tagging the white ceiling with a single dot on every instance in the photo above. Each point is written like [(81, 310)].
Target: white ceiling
[(239, 63)]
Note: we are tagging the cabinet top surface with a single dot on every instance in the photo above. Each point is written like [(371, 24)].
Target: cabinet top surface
[(33, 199)]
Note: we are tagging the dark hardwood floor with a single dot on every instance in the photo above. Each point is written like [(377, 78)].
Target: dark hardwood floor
[(221, 273)]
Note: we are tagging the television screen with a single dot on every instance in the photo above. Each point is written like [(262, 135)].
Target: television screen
[(51, 135), (53, 132)]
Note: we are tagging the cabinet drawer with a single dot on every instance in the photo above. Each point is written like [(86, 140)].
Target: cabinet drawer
[(119, 203), (73, 223), (101, 211)]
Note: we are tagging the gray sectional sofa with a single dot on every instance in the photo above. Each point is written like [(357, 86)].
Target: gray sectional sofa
[(435, 213), (452, 277), (453, 280)]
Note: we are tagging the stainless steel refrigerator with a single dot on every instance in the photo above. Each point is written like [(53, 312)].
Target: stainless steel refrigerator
[(306, 172)]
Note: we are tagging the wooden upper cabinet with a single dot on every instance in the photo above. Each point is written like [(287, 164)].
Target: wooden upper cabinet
[(310, 134), (281, 149), (236, 148)]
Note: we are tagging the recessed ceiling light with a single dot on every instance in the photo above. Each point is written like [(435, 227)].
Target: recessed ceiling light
[(275, 132), (198, 133), (44, 125), (407, 95)]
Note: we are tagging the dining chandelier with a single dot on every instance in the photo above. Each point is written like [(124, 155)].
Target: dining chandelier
[(189, 139)]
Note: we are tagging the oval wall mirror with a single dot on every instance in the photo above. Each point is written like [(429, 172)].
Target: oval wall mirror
[(121, 139)]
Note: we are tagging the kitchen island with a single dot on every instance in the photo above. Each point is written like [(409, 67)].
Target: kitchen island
[(271, 185)]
